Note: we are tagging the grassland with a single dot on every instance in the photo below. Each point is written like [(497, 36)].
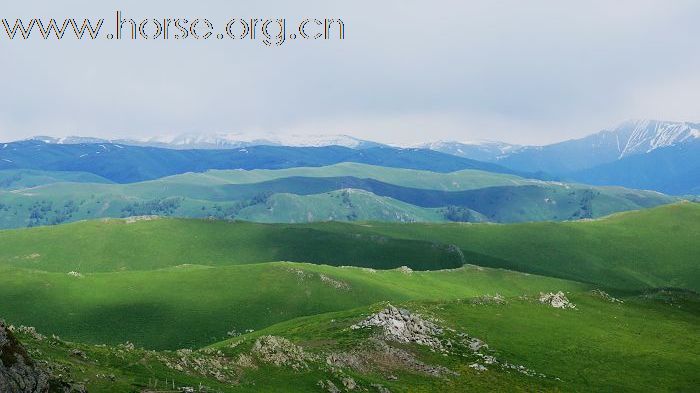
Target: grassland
[(633, 250), (629, 251), (342, 192), (642, 345), (166, 283), (191, 306)]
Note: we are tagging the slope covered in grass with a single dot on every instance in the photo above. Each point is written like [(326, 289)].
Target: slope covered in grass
[(635, 250), (642, 249), (469, 195), (118, 245), (342, 205), (640, 345), (462, 180), (195, 305)]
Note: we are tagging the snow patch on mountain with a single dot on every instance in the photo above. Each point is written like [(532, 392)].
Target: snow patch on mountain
[(644, 136), (484, 150), (231, 140)]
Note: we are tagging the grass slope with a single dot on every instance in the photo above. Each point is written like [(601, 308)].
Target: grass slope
[(191, 306), (635, 250), (461, 196), (119, 245), (642, 249), (643, 345), (341, 205)]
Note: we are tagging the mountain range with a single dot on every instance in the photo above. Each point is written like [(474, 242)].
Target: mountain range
[(215, 141), (649, 154), (126, 164)]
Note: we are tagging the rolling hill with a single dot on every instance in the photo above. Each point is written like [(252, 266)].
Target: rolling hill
[(346, 192), (632, 250), (259, 324), (628, 251), (647, 343)]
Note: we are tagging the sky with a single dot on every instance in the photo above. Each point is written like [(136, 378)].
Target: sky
[(528, 72)]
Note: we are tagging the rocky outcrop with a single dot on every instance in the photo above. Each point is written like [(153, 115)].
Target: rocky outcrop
[(403, 326), (281, 352), (18, 372), (556, 300)]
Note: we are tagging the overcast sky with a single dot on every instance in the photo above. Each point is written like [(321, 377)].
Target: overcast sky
[(529, 72)]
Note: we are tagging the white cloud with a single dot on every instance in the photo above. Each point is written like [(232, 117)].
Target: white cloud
[(408, 71)]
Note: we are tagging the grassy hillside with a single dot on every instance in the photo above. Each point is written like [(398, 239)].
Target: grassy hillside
[(190, 306), (118, 245), (341, 205), (641, 345), (399, 195), (635, 250), (641, 249), (167, 283), (463, 180)]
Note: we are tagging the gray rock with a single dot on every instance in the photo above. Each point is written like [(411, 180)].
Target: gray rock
[(18, 372)]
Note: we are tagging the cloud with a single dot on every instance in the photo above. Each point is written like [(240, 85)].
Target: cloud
[(527, 72)]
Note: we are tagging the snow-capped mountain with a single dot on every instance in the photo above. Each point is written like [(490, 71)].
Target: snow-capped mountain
[(69, 140), (628, 139), (482, 150), (645, 136), (224, 141)]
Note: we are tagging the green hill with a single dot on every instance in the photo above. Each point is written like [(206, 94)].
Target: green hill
[(642, 344), (641, 249), (165, 283), (309, 194), (634, 250), (145, 244), (191, 306)]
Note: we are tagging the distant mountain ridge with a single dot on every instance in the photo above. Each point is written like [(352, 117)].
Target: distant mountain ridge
[(489, 151), (673, 170), (127, 164), (214, 141), (627, 139), (648, 154), (624, 155)]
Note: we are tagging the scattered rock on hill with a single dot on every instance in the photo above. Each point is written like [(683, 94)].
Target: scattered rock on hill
[(605, 296), (556, 300), (405, 270), (488, 299), (281, 352), (377, 354), (349, 383), (18, 373), (328, 386), (337, 284), (402, 326), (131, 220)]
